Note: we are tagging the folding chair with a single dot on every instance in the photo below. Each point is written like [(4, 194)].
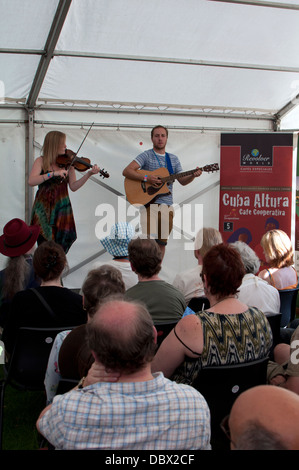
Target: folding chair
[(28, 362), (221, 385), (163, 329), (288, 299), (197, 304)]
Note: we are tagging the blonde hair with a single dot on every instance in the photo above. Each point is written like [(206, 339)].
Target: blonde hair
[(206, 238), (50, 148), (278, 248)]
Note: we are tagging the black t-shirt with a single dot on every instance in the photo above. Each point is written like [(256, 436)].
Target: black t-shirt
[(28, 310)]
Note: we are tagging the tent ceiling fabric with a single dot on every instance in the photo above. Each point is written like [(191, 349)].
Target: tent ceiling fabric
[(249, 39)]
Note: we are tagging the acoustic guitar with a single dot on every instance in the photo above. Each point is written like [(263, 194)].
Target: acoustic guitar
[(142, 192)]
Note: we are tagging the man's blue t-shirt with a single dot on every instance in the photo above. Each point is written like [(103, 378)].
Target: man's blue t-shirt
[(150, 160)]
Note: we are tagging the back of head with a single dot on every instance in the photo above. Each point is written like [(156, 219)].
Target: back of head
[(99, 284), (206, 238), (250, 259), (145, 256), (50, 148), (224, 270), (268, 412), (278, 248), (121, 335), (49, 261), (258, 437)]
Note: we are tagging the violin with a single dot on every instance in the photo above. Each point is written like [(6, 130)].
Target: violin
[(69, 158)]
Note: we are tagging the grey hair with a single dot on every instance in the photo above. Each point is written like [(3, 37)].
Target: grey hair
[(257, 437), (250, 259)]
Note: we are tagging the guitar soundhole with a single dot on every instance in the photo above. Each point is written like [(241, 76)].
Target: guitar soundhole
[(151, 190)]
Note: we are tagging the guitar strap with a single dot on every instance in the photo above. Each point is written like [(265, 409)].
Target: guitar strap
[(168, 163)]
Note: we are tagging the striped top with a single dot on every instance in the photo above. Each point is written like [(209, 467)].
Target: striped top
[(155, 414), (150, 160), (228, 339)]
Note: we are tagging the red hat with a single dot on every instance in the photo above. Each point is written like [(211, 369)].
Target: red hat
[(18, 238)]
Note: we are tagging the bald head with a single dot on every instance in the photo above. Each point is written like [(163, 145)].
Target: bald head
[(272, 410), (121, 334), (118, 318)]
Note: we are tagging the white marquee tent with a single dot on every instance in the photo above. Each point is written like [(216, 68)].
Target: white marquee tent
[(200, 67)]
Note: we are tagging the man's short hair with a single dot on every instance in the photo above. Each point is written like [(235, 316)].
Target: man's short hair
[(257, 437), (158, 127), (145, 256), (126, 346)]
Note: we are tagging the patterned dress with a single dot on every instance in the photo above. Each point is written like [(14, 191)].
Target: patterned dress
[(228, 339), (52, 211)]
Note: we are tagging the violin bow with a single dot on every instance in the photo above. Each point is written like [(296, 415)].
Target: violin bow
[(74, 157)]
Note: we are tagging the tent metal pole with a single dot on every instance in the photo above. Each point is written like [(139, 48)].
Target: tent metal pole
[(29, 158), (287, 108), (262, 3), (176, 61), (48, 55), (56, 27)]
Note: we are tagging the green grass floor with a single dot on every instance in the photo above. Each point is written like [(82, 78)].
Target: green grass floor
[(21, 410)]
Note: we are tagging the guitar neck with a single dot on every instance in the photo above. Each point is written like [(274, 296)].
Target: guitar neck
[(180, 175)]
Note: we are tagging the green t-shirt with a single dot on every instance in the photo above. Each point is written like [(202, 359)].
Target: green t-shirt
[(164, 302)]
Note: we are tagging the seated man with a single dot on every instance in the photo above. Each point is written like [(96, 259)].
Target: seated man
[(164, 302), (141, 410), (264, 418), (116, 244)]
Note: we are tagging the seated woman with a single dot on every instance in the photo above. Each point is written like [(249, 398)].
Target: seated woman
[(70, 356), (18, 244), (229, 332), (279, 255), (50, 304)]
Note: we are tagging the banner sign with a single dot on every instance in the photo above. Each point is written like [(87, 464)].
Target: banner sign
[(255, 186)]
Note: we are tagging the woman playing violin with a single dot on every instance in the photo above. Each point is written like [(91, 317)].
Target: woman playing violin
[(52, 209)]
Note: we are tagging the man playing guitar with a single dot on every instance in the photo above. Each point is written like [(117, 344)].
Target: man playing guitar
[(160, 208)]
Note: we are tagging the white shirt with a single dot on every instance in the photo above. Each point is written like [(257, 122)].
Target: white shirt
[(190, 283), (255, 292)]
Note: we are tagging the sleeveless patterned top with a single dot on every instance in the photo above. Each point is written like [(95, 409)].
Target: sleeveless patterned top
[(228, 339)]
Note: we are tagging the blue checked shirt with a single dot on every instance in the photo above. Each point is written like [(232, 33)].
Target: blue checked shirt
[(156, 414), (149, 160)]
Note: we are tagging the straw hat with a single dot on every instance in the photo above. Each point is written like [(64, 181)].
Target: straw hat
[(18, 238)]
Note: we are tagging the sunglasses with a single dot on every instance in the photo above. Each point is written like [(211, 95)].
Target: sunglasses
[(225, 428)]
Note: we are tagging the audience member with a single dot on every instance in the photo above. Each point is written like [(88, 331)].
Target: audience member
[(142, 410), (17, 243), (264, 418), (284, 370), (50, 304), (70, 356), (279, 255), (189, 281), (116, 244), (254, 291), (229, 332), (164, 302)]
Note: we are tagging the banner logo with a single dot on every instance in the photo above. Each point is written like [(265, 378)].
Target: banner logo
[(256, 158)]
